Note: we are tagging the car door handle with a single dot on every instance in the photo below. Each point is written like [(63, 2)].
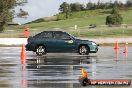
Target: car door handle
[(66, 41), (70, 41)]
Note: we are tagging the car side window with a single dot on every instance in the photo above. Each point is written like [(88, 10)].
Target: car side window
[(47, 35), (65, 36), (60, 35), (57, 35)]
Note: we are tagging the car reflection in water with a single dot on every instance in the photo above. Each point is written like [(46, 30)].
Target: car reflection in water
[(56, 71)]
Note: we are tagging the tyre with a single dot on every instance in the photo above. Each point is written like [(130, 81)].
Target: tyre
[(40, 50), (83, 50)]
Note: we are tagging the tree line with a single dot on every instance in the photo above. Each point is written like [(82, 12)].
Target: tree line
[(73, 7)]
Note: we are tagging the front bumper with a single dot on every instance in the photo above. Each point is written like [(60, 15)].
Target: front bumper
[(93, 48)]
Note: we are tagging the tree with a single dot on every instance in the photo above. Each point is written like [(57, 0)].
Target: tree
[(90, 5), (22, 13), (7, 11), (77, 6), (115, 18), (110, 4), (65, 8), (129, 3)]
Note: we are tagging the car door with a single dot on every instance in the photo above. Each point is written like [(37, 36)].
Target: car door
[(46, 39), (63, 42)]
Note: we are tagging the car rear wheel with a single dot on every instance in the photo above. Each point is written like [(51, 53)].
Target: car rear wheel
[(40, 50), (83, 50)]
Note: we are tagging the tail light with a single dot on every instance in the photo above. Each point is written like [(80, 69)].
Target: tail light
[(29, 40)]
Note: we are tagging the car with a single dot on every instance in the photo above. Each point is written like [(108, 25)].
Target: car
[(59, 41)]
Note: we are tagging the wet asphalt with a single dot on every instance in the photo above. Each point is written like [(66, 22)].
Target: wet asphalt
[(62, 70)]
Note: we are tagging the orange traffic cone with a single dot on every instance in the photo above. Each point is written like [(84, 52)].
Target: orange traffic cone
[(23, 54), (24, 82), (26, 31), (117, 54), (125, 50), (86, 74), (116, 45)]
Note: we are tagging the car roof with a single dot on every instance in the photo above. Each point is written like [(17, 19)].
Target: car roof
[(54, 31)]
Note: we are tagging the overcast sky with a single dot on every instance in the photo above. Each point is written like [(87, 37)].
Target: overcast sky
[(43, 8)]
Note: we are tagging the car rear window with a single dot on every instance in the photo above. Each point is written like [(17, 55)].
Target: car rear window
[(44, 35)]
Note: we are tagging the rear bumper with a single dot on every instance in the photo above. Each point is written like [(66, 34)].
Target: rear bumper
[(30, 47)]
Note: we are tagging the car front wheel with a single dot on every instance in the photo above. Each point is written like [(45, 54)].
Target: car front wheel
[(40, 50), (83, 50)]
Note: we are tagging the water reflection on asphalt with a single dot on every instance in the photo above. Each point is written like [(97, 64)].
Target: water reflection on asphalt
[(62, 70)]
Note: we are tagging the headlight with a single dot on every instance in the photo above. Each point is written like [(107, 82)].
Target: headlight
[(93, 43)]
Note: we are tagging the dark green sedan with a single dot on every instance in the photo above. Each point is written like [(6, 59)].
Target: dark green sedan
[(58, 41)]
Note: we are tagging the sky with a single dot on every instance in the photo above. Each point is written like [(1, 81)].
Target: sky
[(45, 8)]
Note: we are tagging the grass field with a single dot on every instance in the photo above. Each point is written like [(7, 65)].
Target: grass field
[(83, 20), (100, 31)]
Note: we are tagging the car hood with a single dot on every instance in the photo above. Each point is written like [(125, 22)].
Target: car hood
[(84, 41)]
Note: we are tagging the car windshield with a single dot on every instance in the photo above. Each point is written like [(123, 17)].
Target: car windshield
[(73, 37)]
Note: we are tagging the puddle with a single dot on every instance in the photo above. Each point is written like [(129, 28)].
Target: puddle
[(62, 70)]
